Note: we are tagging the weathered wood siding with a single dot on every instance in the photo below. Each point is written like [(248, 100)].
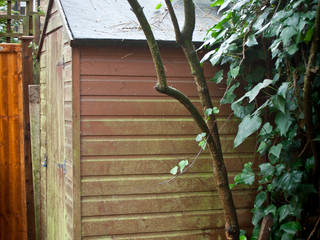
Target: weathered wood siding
[(13, 207), (56, 125), (131, 136)]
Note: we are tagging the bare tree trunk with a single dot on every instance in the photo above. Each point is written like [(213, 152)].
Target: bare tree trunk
[(184, 39)]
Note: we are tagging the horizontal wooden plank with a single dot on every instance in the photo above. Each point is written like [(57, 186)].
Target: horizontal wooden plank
[(146, 184), (135, 106), (103, 126), (140, 86), (134, 204), (134, 61), (115, 165), (154, 145), (148, 223), (205, 234)]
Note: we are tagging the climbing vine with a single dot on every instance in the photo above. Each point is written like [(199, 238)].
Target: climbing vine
[(269, 51)]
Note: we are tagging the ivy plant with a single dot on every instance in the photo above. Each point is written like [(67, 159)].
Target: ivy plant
[(270, 51)]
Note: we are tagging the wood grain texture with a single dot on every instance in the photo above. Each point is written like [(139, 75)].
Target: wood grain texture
[(76, 218), (131, 136), (145, 223), (13, 208)]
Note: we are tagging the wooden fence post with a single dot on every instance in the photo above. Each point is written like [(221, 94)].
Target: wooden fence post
[(27, 78), (34, 110)]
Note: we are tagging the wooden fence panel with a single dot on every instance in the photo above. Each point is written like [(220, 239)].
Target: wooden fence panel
[(13, 217)]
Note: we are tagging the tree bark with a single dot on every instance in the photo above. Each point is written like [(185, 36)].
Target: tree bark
[(184, 39)]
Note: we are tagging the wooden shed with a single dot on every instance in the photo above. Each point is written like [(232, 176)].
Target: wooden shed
[(109, 140)]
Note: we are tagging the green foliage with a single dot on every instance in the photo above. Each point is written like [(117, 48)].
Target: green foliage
[(265, 45), (180, 167)]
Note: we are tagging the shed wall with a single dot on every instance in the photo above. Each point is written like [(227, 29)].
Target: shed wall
[(56, 131), (131, 136)]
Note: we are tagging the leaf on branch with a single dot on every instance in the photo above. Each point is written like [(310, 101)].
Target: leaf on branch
[(174, 170), (276, 150), (284, 211), (218, 77), (235, 72), (182, 164), (290, 227), (260, 199), (248, 125), (286, 35), (283, 122), (159, 5), (200, 136), (251, 41)]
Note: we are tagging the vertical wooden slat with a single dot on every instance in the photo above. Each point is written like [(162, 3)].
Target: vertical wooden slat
[(13, 224), (76, 142), (27, 76), (34, 107)]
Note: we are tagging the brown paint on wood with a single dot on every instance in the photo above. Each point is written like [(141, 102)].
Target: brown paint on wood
[(113, 146), (139, 126), (155, 164), (144, 223), (138, 106), (153, 203), (131, 136), (140, 86), (135, 61), (13, 209), (147, 184)]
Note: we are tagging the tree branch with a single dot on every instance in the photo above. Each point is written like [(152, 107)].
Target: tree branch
[(174, 21), (210, 128), (189, 19), (153, 46)]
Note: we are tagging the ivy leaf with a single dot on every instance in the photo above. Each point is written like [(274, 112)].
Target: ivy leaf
[(258, 214), (286, 35), (251, 41), (263, 146), (270, 209), (229, 95), (248, 125), (283, 122), (182, 164), (266, 169), (235, 71), (217, 3), (159, 5), (290, 227), (309, 35), (200, 136), (279, 103), (208, 112), (292, 49), (260, 199), (215, 110), (218, 77), (275, 150), (174, 170), (203, 144), (266, 129), (282, 91), (285, 211), (224, 5), (255, 91)]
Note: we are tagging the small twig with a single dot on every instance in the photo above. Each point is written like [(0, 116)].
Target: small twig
[(314, 228)]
